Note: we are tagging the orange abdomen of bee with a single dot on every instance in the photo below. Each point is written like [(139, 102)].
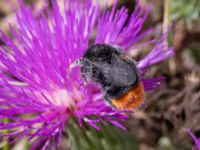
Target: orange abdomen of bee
[(131, 99)]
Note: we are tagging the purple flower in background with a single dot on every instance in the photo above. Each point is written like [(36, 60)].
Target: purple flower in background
[(196, 140), (38, 91)]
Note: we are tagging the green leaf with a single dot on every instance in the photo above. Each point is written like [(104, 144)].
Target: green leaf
[(189, 10)]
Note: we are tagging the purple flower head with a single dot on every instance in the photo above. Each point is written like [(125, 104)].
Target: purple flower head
[(39, 92), (196, 140)]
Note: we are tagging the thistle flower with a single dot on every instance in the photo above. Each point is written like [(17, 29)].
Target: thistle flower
[(196, 140), (38, 96)]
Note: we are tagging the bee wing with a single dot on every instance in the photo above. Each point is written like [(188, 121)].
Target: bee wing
[(119, 72)]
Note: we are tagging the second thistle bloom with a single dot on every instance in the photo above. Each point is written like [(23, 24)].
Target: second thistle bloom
[(195, 139), (36, 94)]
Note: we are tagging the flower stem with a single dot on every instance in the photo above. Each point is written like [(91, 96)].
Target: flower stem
[(6, 145), (166, 17)]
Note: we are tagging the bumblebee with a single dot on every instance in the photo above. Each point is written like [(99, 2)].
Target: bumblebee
[(117, 75)]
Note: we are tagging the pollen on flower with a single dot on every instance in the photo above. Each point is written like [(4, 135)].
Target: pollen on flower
[(60, 97)]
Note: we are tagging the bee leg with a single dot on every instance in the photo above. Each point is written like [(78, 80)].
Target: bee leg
[(75, 64), (108, 101), (86, 78), (72, 66)]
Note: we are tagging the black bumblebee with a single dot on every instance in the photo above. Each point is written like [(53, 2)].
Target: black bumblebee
[(117, 75)]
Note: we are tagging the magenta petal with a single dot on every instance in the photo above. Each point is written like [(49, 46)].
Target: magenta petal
[(39, 92), (196, 140)]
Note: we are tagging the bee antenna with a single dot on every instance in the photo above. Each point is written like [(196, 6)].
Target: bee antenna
[(74, 64)]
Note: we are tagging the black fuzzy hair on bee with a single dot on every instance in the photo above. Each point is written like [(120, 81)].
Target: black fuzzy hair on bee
[(106, 65)]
